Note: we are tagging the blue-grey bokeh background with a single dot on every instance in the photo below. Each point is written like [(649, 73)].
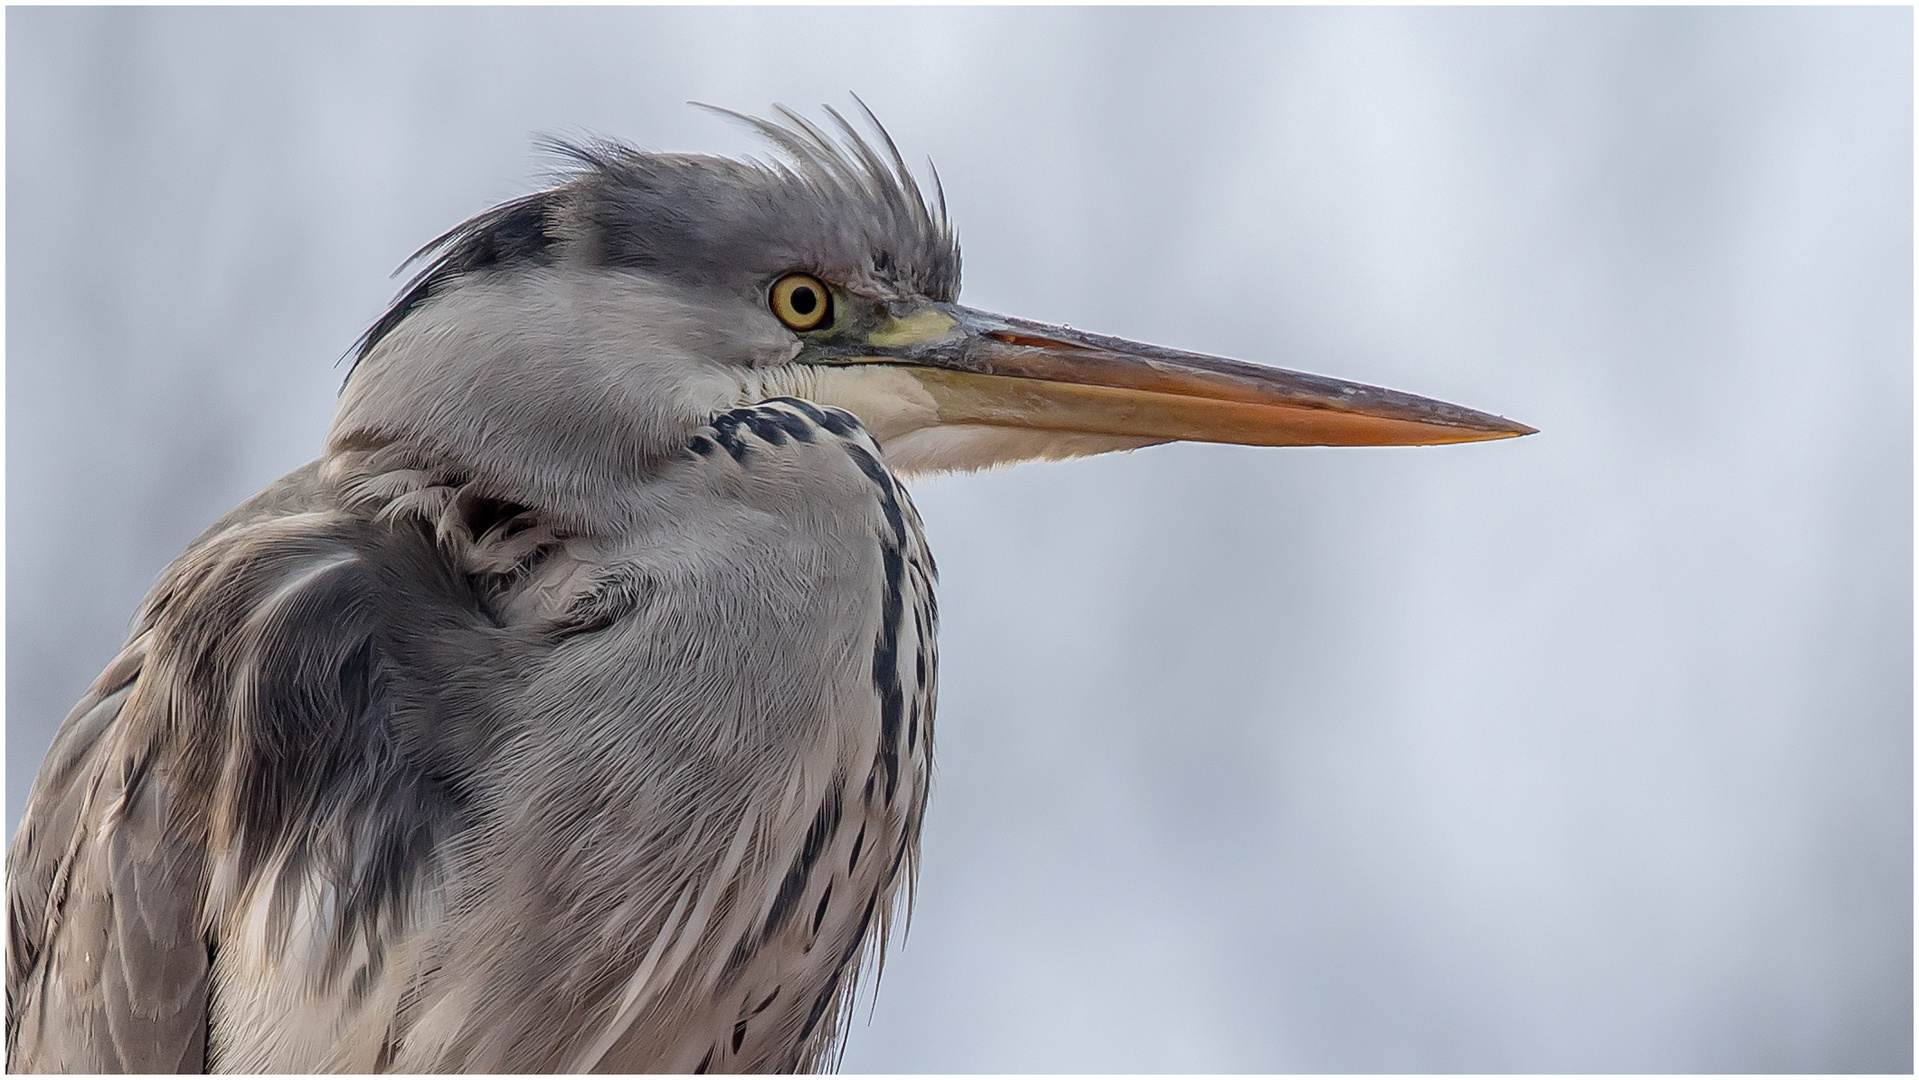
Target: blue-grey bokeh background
[(1591, 751)]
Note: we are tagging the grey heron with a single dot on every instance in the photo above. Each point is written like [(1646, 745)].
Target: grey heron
[(574, 710)]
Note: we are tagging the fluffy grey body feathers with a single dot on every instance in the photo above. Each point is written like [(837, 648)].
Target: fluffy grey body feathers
[(431, 787)]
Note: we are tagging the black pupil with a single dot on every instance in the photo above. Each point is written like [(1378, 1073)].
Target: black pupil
[(804, 300)]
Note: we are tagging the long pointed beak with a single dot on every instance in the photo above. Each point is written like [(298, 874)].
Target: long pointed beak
[(987, 369)]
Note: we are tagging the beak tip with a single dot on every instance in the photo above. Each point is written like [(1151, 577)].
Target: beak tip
[(1488, 428)]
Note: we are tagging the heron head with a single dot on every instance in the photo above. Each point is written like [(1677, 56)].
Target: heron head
[(561, 346)]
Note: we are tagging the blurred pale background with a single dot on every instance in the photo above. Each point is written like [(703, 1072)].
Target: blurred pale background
[(1591, 751)]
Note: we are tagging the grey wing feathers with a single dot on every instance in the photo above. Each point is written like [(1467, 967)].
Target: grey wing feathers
[(255, 729), (106, 967)]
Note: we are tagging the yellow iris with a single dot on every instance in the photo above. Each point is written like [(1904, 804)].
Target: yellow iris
[(801, 301)]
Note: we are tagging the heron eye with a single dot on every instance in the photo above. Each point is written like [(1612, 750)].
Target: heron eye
[(801, 301)]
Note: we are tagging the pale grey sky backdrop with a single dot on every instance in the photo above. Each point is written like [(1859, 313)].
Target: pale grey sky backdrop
[(1591, 751)]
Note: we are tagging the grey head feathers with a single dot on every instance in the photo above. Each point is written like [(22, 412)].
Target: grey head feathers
[(837, 207), (555, 351)]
